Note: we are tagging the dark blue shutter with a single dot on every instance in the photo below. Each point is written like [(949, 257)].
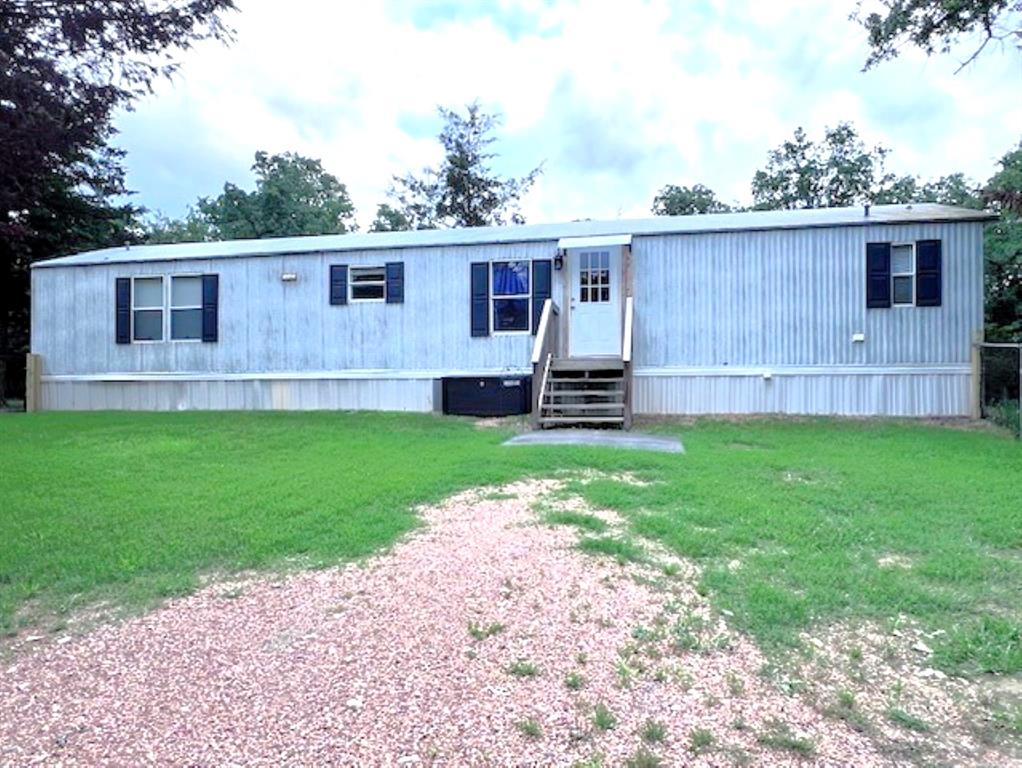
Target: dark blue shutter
[(878, 275), (122, 291), (210, 307), (338, 283), (480, 299), (542, 274), (395, 282), (928, 269)]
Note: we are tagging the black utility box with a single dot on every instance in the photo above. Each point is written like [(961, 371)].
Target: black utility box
[(487, 395)]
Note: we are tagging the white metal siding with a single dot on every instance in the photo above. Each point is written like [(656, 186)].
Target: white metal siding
[(709, 307), (257, 394), (796, 298)]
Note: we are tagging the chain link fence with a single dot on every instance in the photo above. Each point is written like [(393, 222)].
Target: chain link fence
[(12, 382), (1000, 384)]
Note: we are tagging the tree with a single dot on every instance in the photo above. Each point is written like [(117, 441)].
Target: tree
[(673, 200), (464, 191), (1003, 251), (936, 25), (838, 171), (65, 68), (389, 219), (954, 189), (294, 195)]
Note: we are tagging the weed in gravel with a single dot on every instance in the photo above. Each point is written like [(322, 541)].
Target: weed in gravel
[(522, 668), (574, 681), (596, 761), (670, 569), (735, 684), (685, 633), (483, 631), (844, 709), (780, 736), (582, 520), (653, 732), (644, 759), (855, 654), (905, 720), (530, 728), (603, 718), (581, 658), (700, 740), (625, 674)]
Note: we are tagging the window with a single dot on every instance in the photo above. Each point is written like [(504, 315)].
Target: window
[(368, 283), (511, 297), (147, 309), (186, 308), (594, 276), (903, 270)]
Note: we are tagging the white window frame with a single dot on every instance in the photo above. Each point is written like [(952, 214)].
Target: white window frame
[(351, 282), (171, 307), (911, 275), (494, 299), (162, 308), (166, 308)]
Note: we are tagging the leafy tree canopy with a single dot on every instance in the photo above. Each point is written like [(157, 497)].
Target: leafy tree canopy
[(936, 25), (673, 200), (389, 219), (294, 195), (463, 191), (65, 67), (1003, 251), (838, 171)]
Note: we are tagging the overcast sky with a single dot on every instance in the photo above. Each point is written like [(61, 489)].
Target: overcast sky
[(616, 99)]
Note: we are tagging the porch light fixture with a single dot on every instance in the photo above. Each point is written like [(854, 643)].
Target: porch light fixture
[(559, 260)]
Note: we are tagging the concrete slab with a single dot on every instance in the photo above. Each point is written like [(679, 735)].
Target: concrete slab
[(599, 437)]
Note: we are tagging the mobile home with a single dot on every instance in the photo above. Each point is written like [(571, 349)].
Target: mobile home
[(857, 311)]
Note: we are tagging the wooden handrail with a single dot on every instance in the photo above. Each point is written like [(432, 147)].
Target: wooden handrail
[(550, 310), (543, 351), (626, 342)]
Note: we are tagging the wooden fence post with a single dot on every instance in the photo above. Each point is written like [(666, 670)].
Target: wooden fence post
[(33, 376)]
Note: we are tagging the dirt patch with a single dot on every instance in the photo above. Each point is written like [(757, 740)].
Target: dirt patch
[(878, 679), (480, 639)]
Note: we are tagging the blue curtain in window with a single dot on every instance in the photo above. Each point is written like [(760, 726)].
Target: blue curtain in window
[(510, 278)]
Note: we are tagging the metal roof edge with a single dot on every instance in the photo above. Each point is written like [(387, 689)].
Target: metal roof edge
[(541, 233)]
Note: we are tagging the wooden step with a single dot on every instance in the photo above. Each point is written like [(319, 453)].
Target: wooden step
[(568, 420), (585, 406), (584, 380), (583, 392), (587, 364)]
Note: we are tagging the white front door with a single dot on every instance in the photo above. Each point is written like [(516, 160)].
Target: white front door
[(595, 323)]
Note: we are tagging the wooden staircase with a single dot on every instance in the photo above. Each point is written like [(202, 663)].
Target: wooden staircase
[(580, 392), (586, 392)]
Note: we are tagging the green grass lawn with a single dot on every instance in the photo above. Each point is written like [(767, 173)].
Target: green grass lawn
[(790, 519)]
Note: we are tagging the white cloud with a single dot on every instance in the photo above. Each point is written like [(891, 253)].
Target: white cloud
[(617, 99)]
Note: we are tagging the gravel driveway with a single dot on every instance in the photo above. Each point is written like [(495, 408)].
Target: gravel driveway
[(376, 664)]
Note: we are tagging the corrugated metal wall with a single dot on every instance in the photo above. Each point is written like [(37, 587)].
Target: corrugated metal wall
[(713, 312), (268, 325), (795, 298)]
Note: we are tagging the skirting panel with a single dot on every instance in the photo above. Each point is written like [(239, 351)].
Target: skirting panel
[(240, 395), (900, 394)]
